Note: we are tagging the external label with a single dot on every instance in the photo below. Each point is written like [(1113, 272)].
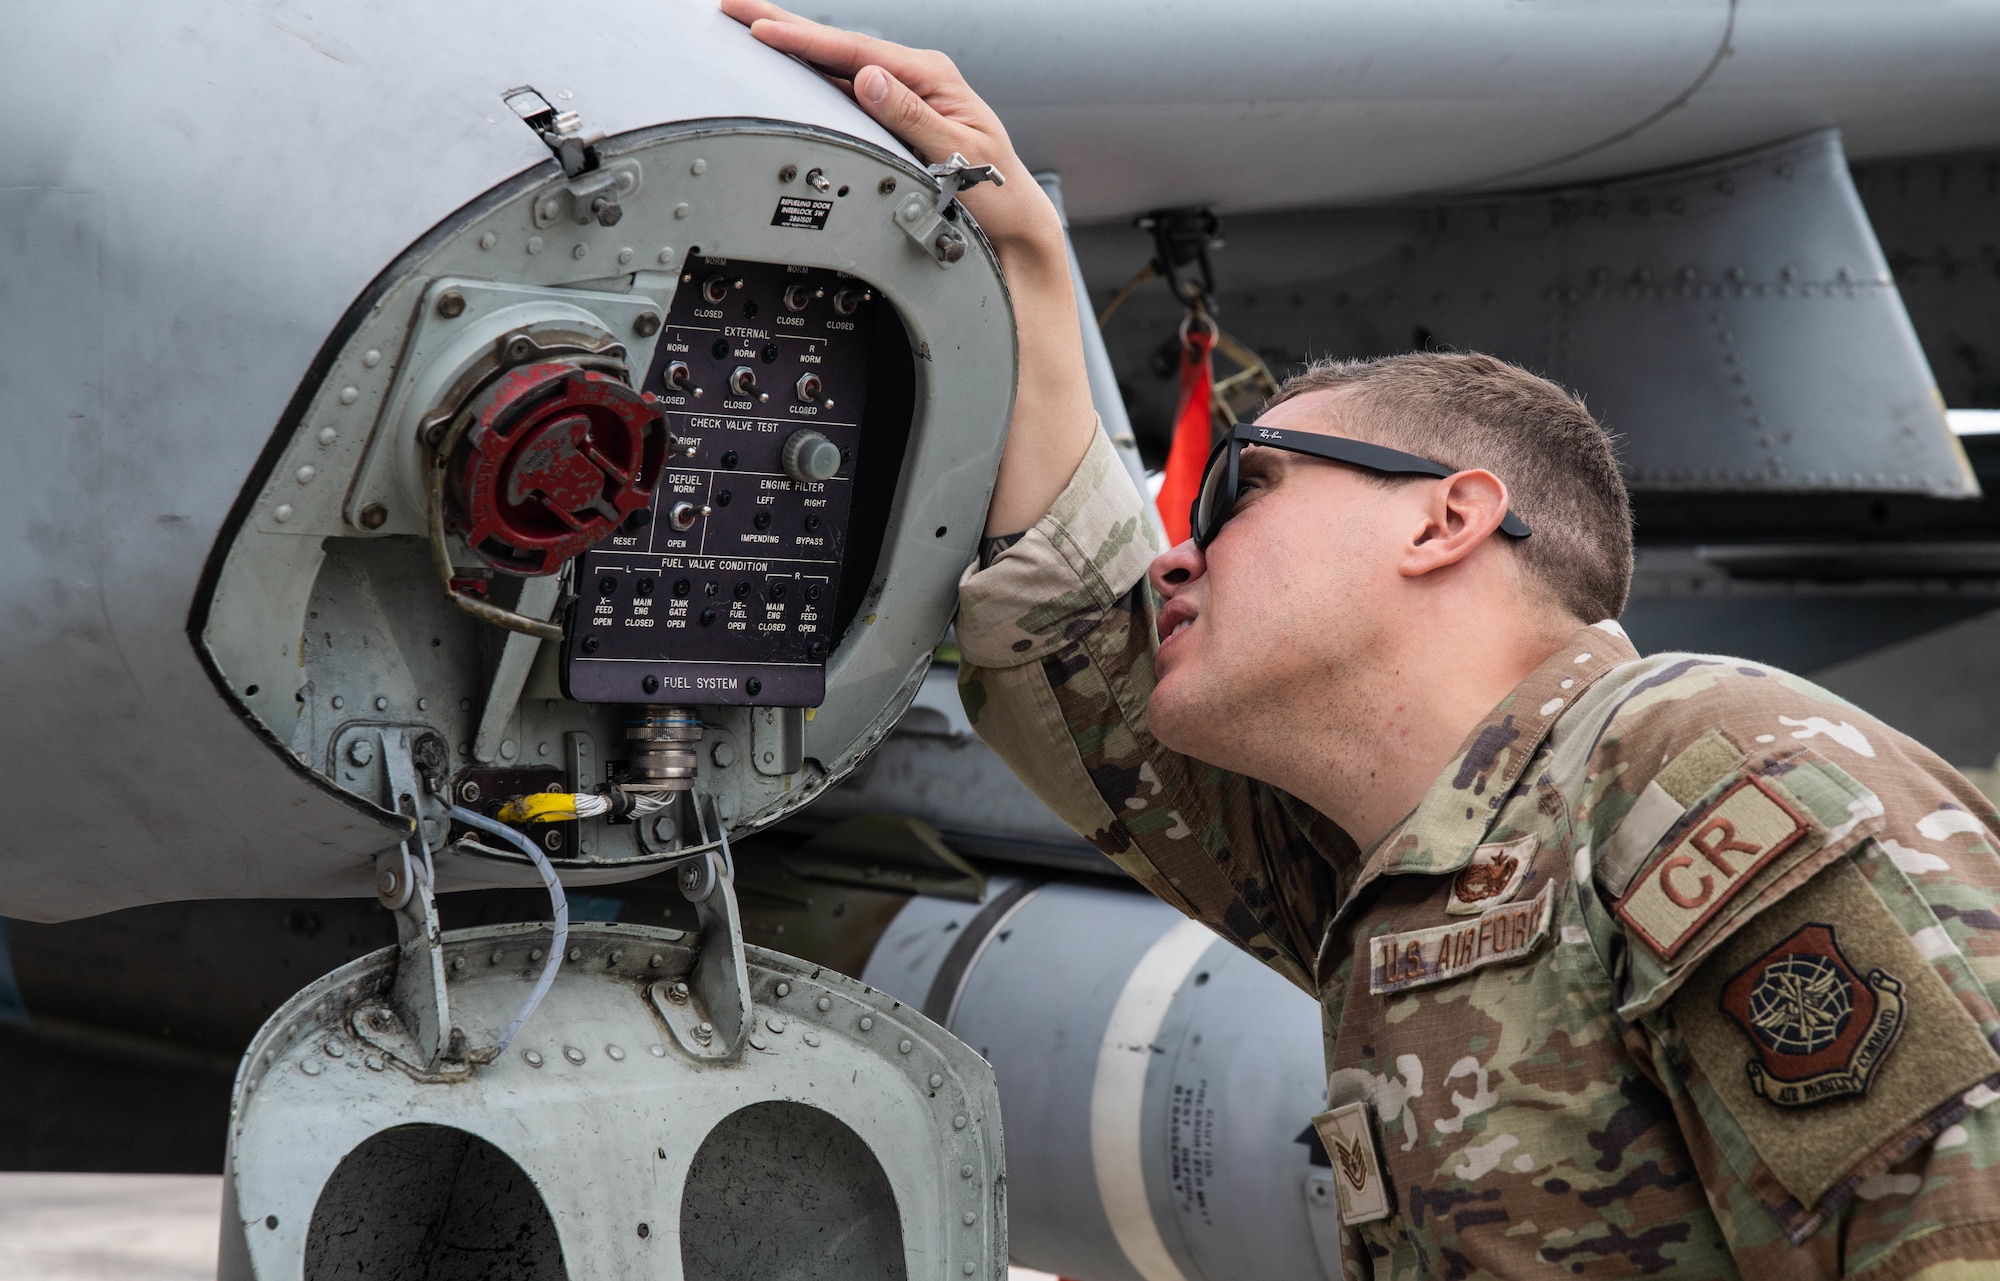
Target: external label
[(1723, 850), (1491, 878), (1820, 1030), (1349, 1135), (801, 214), (1442, 953)]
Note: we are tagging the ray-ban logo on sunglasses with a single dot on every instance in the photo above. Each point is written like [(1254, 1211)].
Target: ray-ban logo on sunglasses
[(1266, 433)]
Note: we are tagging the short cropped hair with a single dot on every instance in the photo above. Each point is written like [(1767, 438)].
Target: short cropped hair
[(1471, 411)]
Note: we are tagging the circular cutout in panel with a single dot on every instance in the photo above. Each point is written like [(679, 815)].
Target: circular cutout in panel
[(431, 1203), (786, 1189)]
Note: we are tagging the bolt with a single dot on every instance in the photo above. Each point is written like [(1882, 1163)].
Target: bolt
[(784, 989), (575, 954), (386, 883), (678, 993), (468, 791), (533, 1057), (867, 1024), (904, 1047), (451, 304), (887, 186), (457, 963), (823, 1004), (374, 516), (361, 751), (788, 173), (381, 703), (655, 961), (608, 210), (949, 245), (958, 1122), (968, 1218), (573, 1054), (723, 755), (646, 324), (936, 1080)]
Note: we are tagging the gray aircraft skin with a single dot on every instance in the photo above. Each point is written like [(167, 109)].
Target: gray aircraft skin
[(267, 275)]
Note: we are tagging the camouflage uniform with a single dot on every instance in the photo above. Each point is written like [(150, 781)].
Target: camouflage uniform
[(1684, 967)]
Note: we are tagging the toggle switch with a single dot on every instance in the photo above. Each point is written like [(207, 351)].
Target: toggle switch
[(744, 383), (809, 388)]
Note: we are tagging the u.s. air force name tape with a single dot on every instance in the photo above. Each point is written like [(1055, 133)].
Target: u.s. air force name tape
[(1418, 958)]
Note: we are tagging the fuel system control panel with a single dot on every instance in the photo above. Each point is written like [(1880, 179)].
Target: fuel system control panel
[(723, 591)]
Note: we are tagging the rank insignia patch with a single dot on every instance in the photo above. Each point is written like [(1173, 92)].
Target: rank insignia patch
[(1819, 1028), (1349, 1135), (1492, 876)]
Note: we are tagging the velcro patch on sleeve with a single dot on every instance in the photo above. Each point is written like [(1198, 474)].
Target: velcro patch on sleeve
[(1825, 1034), (1718, 853), (1419, 958)]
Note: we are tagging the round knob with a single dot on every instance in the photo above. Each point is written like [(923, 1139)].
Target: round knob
[(810, 456)]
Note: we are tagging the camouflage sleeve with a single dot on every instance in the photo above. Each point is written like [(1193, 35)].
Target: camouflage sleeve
[(1057, 639), (1798, 905)]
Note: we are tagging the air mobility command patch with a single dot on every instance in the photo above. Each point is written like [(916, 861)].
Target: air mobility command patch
[(1418, 958), (1349, 1135), (1820, 1030), (1719, 853), (1492, 876), (1833, 1045)]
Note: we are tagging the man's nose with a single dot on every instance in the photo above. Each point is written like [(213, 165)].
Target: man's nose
[(1176, 567)]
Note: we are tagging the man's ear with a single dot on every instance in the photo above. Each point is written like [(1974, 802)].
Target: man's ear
[(1460, 512)]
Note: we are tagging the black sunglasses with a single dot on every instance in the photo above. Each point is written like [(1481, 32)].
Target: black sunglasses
[(1216, 499)]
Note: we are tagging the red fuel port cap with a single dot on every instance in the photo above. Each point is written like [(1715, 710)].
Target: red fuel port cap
[(555, 459)]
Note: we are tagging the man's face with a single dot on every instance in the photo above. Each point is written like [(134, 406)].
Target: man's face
[(1296, 585)]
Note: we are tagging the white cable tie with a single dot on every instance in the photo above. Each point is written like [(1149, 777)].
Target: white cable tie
[(557, 900)]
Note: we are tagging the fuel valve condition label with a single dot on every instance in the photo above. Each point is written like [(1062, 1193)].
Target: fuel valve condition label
[(726, 594)]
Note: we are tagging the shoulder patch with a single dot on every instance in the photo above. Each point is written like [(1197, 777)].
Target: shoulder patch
[(1492, 876), (1819, 1029), (1719, 853), (1830, 1042)]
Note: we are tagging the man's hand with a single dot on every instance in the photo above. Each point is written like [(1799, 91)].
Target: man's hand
[(919, 96)]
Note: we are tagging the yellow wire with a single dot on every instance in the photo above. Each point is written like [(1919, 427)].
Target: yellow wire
[(540, 807)]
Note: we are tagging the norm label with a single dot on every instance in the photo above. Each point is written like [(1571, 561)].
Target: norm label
[(1441, 953), (1746, 827)]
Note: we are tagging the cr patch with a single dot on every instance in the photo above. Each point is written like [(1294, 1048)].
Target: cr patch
[(1721, 851)]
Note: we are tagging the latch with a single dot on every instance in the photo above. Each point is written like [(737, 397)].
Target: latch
[(709, 1011), (595, 191), (933, 223)]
